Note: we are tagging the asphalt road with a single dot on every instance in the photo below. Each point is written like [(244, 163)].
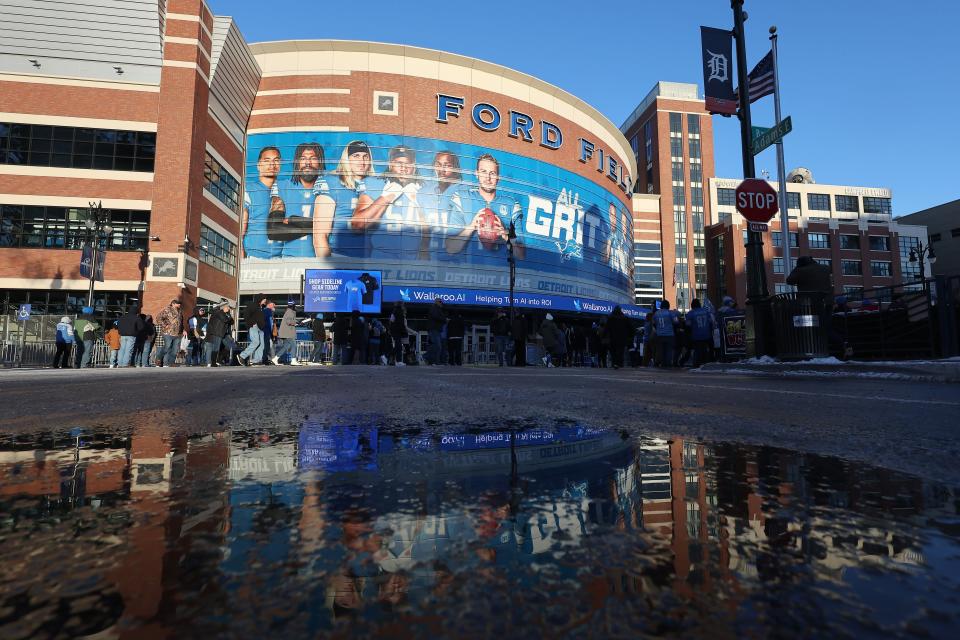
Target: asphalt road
[(906, 426)]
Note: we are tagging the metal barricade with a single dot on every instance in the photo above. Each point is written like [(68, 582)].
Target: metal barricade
[(801, 323)]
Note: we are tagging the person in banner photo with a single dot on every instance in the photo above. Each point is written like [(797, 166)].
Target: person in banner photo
[(615, 253), (309, 206), (440, 197), (353, 191), (395, 223), (257, 204), (487, 215)]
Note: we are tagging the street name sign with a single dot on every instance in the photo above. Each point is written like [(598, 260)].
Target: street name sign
[(768, 137)]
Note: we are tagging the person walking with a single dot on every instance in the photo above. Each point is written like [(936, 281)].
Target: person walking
[(518, 329), (358, 338), (61, 360), (217, 327), (501, 335), (253, 319), (85, 334), (375, 331), (665, 322), (700, 326), (399, 331), (269, 328), (341, 338), (196, 328), (143, 348), (288, 335), (455, 332), (130, 325), (619, 331), (112, 338), (648, 341), (319, 335), (603, 344), (170, 331), (437, 318), (551, 340)]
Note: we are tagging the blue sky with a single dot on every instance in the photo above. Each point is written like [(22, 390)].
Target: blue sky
[(872, 87)]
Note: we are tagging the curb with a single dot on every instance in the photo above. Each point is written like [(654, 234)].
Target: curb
[(910, 374)]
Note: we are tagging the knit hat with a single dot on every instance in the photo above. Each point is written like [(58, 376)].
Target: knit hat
[(549, 316), (65, 319)]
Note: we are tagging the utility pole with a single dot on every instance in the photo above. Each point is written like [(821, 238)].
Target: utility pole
[(758, 297)]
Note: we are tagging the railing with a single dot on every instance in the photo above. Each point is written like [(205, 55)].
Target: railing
[(887, 322)]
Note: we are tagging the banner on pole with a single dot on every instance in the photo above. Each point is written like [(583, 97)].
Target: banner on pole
[(717, 50), (87, 262)]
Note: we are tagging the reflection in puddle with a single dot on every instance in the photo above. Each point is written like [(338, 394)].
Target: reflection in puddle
[(566, 530)]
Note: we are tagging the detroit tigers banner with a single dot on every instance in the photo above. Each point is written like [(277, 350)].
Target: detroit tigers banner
[(428, 213), (718, 69)]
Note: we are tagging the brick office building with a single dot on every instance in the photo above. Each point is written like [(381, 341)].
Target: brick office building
[(144, 108), (850, 229), (671, 136)]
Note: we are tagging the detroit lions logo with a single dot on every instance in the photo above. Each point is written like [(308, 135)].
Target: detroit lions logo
[(405, 295), (569, 249), (577, 305)]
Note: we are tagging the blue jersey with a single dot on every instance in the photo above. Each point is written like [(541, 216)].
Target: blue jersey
[(345, 241), (354, 290), (663, 321), (399, 233), (256, 203), (700, 323), (472, 203), (299, 201), (439, 208)]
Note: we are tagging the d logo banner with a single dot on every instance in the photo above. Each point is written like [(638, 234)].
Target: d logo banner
[(717, 49)]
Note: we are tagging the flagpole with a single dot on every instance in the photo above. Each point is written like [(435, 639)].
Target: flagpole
[(759, 312), (781, 168)]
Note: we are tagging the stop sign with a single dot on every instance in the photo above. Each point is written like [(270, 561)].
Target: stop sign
[(756, 200)]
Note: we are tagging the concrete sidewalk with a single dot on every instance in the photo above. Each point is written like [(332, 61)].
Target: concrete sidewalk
[(942, 371)]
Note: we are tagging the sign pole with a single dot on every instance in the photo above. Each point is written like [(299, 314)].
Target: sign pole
[(758, 297), (781, 168)]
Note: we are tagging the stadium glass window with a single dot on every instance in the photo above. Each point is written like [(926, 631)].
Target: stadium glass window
[(818, 240), (818, 202), (934, 237), (217, 251), (881, 268), (793, 200), (877, 205), (727, 197), (76, 147), (64, 228), (696, 172), (676, 171), (693, 124), (850, 268), (847, 204), (649, 250), (694, 147), (221, 184), (879, 243), (848, 241), (676, 148)]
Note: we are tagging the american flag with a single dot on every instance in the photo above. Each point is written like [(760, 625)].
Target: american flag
[(760, 81)]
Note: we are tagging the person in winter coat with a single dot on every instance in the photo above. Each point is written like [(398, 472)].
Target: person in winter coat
[(61, 360), (288, 335), (358, 339), (217, 327), (810, 276), (85, 333), (620, 332), (170, 331), (112, 338), (143, 348), (455, 332), (130, 325), (254, 320), (341, 339), (196, 329), (438, 318), (399, 331), (552, 337), (319, 332), (501, 335)]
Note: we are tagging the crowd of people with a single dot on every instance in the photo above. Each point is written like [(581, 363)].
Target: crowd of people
[(206, 338)]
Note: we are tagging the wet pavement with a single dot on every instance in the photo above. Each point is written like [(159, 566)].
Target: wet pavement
[(353, 525)]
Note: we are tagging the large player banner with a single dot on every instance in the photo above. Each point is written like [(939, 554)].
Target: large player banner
[(429, 213)]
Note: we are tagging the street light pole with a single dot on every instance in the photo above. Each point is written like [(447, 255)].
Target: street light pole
[(922, 254), (96, 224), (758, 297)]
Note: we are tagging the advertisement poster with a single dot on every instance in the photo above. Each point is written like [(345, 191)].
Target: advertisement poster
[(430, 213), (340, 291), (734, 330)]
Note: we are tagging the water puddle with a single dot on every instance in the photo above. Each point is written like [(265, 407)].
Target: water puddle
[(347, 527)]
